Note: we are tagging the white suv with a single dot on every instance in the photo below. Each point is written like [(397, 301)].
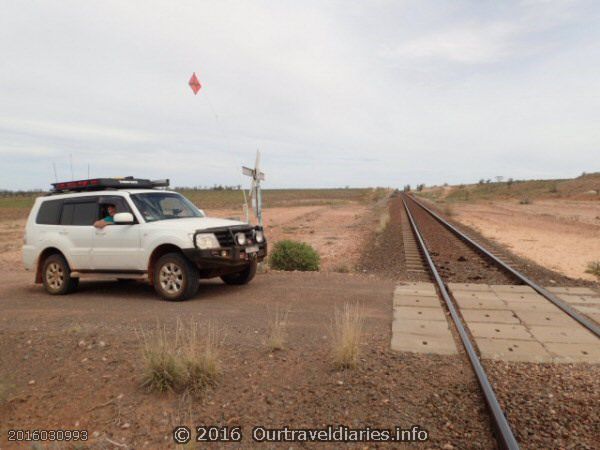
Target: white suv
[(155, 235)]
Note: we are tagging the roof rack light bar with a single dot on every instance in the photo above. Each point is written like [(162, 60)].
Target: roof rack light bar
[(108, 183)]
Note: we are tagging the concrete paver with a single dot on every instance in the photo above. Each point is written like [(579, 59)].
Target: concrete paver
[(571, 290), (593, 309), (500, 331), (421, 327), (523, 297), (583, 299), (419, 313), (544, 306), (515, 323), (563, 335), (580, 299), (469, 287), (546, 319), (511, 323), (489, 315), (475, 303), (419, 324), (513, 350), (415, 290), (476, 295), (415, 300), (419, 285), (511, 288), (589, 353), (405, 342)]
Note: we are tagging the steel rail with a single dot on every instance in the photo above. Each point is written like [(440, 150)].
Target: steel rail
[(504, 433), (589, 324)]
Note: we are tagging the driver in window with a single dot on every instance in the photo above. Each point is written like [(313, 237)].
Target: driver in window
[(108, 220)]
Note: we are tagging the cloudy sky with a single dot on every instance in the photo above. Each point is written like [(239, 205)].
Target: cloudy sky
[(333, 93)]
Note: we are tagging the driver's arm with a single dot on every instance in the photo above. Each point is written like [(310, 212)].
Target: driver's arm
[(100, 223)]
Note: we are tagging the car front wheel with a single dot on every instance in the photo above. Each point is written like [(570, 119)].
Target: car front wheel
[(175, 278)]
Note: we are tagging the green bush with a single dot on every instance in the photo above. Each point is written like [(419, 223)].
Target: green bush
[(294, 255)]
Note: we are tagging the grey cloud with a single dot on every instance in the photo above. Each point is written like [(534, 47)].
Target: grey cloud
[(334, 94)]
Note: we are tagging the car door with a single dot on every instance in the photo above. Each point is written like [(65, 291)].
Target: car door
[(76, 226), (116, 247)]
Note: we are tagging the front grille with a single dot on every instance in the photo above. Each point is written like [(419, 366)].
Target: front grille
[(226, 236)]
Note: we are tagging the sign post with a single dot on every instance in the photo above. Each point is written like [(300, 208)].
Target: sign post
[(255, 193)]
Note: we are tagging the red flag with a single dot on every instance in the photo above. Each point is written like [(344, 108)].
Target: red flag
[(194, 83)]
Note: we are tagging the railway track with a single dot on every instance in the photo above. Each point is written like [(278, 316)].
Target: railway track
[(495, 268)]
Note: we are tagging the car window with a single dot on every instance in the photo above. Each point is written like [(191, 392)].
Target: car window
[(85, 213), (164, 205), (66, 218), (79, 213), (49, 212), (120, 204)]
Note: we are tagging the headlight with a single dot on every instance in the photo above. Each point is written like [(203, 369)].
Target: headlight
[(259, 236), (206, 240), (240, 238)]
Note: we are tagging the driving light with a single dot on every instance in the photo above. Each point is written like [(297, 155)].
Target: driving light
[(240, 238), (259, 236), (206, 240)]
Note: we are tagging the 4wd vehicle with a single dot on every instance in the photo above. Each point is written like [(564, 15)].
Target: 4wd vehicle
[(152, 234)]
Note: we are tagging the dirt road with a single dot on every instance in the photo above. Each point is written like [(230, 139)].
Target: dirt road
[(74, 362)]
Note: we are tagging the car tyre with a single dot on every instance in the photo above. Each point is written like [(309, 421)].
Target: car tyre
[(56, 276), (175, 278), (242, 277)]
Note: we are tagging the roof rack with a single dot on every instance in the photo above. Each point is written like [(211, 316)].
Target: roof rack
[(97, 184)]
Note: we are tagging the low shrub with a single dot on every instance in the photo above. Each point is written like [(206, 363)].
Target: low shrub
[(294, 255), (593, 268)]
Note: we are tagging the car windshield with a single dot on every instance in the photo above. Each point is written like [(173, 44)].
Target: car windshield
[(164, 205)]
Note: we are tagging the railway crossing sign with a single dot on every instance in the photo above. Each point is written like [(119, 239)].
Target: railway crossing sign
[(255, 194)]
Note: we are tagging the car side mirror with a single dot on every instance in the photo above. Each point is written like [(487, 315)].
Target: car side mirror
[(123, 218)]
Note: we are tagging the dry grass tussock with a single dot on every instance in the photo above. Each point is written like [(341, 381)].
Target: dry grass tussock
[(277, 332), (384, 220), (186, 362), (346, 330)]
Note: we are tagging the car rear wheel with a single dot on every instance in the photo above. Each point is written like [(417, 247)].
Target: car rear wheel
[(56, 276), (175, 278), (242, 277)]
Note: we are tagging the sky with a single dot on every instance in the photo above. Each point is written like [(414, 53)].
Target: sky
[(333, 93)]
